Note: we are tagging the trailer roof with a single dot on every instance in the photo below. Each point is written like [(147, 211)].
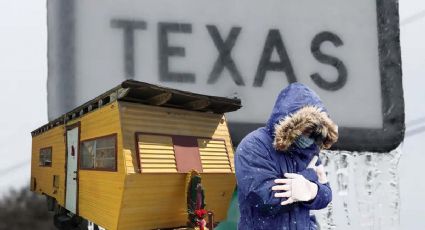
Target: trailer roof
[(149, 94)]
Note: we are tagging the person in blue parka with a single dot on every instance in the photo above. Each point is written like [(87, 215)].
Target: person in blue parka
[(278, 179)]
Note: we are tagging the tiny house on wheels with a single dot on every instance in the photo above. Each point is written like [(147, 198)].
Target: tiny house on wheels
[(139, 156)]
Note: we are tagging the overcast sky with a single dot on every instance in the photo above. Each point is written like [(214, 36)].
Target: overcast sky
[(23, 74)]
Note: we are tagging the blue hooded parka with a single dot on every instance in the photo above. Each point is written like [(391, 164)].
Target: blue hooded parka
[(258, 164)]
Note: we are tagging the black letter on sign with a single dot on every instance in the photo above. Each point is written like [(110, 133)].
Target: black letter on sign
[(326, 59), (224, 59), (129, 26), (274, 41), (166, 51)]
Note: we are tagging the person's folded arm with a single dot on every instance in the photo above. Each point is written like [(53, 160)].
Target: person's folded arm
[(322, 199), (255, 173), (309, 174)]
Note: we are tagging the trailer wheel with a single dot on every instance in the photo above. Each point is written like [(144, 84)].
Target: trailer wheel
[(65, 222), (83, 225), (93, 226)]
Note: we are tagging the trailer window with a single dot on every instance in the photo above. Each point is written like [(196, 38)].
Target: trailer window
[(99, 153), (214, 156), (45, 157), (168, 153), (156, 153)]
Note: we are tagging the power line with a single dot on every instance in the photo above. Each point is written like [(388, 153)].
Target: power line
[(413, 18), (12, 168), (415, 122), (413, 132)]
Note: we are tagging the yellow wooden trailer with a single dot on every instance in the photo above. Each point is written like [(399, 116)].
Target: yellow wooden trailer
[(121, 160)]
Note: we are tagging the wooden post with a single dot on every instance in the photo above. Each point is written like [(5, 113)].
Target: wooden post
[(210, 224)]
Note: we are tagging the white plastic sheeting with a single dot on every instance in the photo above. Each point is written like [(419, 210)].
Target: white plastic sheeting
[(365, 189)]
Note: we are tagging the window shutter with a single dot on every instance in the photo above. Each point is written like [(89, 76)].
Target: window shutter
[(156, 153), (214, 156)]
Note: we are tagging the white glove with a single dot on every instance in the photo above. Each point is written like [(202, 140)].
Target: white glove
[(295, 188), (320, 170)]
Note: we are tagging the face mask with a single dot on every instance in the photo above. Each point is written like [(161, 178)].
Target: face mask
[(303, 142)]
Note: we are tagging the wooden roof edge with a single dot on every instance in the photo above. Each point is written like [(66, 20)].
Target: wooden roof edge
[(132, 84), (95, 103), (120, 92)]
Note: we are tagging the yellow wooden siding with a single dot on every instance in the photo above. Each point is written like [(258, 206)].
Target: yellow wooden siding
[(219, 188), (55, 139), (229, 145), (156, 153), (168, 121), (128, 159), (100, 196), (100, 192), (114, 201), (214, 157), (158, 200)]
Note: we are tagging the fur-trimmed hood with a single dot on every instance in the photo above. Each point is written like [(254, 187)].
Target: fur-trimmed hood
[(296, 109)]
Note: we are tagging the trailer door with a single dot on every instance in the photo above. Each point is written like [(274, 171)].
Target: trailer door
[(72, 143)]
